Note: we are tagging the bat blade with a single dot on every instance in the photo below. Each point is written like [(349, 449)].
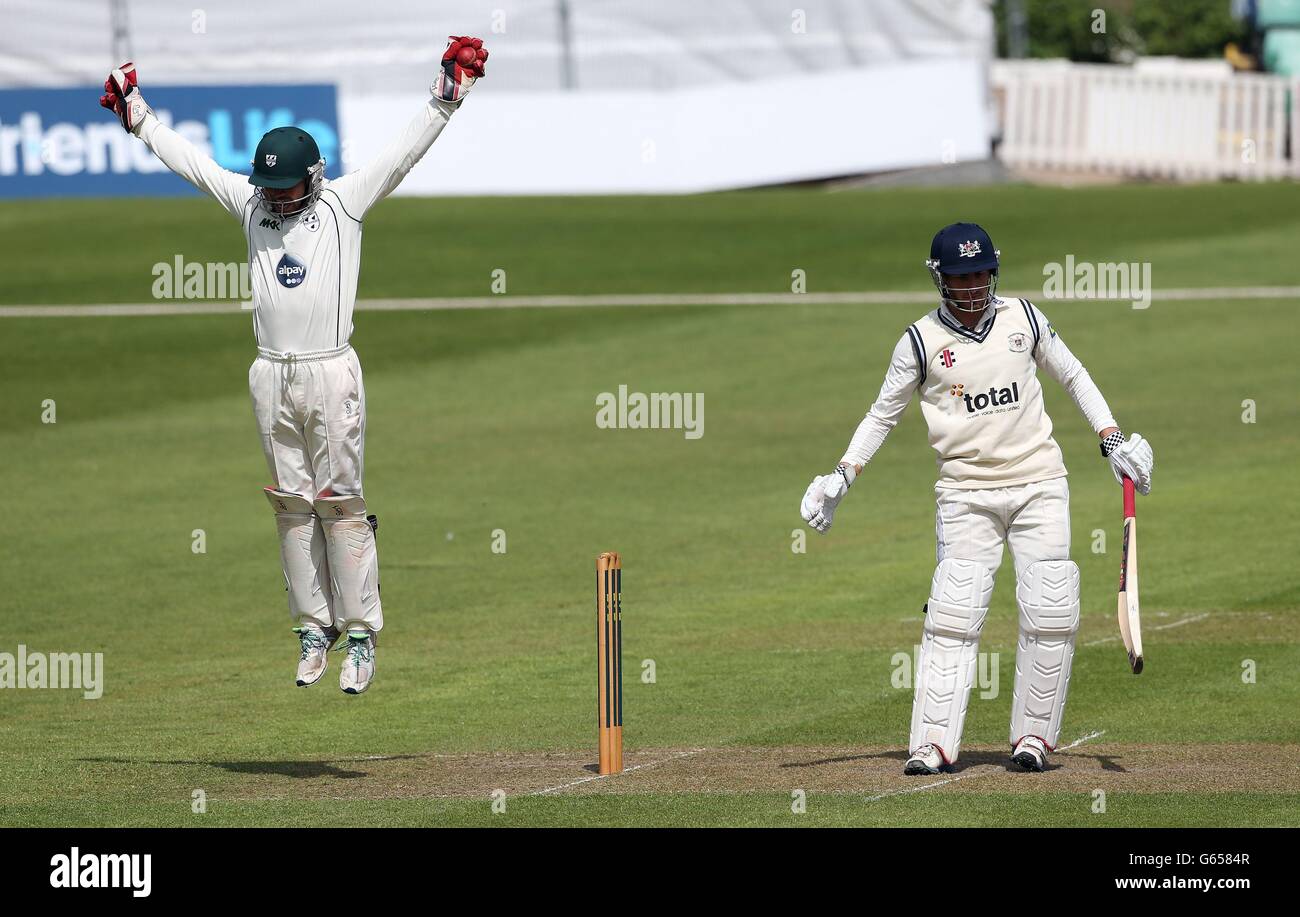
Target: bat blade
[(1130, 620)]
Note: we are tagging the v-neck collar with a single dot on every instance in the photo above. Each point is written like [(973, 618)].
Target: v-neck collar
[(978, 333)]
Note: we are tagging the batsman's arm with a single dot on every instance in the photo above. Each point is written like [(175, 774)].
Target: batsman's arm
[(825, 492), (1131, 458), (901, 380), (230, 189), (1063, 366)]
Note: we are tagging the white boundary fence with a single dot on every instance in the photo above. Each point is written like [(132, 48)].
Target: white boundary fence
[(1114, 119)]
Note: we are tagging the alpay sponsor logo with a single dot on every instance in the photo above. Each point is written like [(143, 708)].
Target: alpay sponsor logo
[(290, 271)]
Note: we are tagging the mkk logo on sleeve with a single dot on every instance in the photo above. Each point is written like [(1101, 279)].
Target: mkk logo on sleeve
[(290, 271)]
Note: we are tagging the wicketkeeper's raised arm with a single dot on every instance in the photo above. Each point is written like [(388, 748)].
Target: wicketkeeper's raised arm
[(122, 97), (462, 64)]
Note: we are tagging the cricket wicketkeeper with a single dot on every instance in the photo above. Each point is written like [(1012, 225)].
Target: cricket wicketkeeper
[(973, 364), (304, 253)]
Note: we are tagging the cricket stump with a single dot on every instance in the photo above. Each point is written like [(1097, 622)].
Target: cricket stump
[(609, 661)]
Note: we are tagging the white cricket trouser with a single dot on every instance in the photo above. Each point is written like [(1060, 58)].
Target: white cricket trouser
[(971, 528), (311, 416), (1034, 519)]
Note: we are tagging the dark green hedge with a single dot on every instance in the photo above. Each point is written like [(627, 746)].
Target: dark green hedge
[(1064, 28)]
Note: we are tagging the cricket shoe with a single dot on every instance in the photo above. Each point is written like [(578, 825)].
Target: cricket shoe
[(359, 663), (315, 647), (925, 760), (1030, 754)]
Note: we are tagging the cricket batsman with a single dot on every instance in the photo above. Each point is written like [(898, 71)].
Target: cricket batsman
[(304, 254), (973, 364)]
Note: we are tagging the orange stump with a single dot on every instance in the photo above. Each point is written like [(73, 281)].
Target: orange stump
[(609, 661)]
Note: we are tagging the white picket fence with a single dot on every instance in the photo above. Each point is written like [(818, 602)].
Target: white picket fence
[(1121, 120)]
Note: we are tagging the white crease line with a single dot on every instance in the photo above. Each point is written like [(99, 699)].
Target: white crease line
[(980, 771), (1192, 620), (438, 303), (626, 770), (1199, 617), (974, 772), (1095, 734)]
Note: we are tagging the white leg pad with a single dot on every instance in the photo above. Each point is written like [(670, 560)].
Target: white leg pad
[(1048, 595), (945, 671), (303, 558), (354, 562)]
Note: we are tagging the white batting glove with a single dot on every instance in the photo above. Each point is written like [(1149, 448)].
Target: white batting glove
[(1132, 459), (823, 496)]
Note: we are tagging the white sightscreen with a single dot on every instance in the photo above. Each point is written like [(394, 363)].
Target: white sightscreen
[(391, 45)]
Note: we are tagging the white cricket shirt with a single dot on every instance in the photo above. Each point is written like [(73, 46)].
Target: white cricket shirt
[(303, 268)]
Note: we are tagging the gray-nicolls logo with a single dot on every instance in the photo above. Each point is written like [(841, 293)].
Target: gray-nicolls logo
[(103, 870)]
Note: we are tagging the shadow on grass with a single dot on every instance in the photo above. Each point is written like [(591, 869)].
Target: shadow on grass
[(968, 759), (303, 770)]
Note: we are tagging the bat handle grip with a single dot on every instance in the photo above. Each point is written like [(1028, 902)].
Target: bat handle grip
[(1129, 493)]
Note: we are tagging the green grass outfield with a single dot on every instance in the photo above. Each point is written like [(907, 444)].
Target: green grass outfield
[(773, 668)]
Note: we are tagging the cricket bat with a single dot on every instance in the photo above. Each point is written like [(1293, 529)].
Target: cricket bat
[(1130, 622)]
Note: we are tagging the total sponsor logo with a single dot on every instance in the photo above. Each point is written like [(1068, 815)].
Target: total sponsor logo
[(290, 271), (994, 397)]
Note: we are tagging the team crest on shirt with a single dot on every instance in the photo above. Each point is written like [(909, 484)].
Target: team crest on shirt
[(290, 271), (311, 221), (1018, 342)]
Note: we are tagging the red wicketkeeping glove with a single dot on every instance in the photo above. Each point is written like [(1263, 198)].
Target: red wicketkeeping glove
[(122, 97), (462, 64)]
